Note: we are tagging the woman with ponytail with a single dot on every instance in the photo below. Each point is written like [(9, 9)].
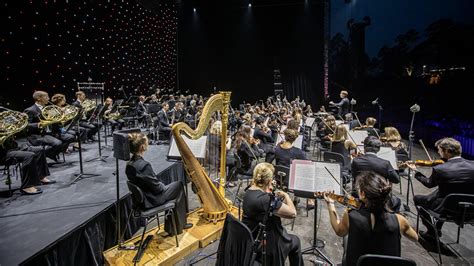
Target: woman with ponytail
[(372, 229)]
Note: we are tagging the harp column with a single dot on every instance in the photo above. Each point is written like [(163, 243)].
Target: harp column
[(225, 119)]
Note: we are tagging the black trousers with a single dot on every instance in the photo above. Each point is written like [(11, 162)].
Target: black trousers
[(91, 128), (172, 191), (52, 146), (34, 166), (429, 202)]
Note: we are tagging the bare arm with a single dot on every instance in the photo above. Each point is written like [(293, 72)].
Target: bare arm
[(287, 209), (341, 227), (406, 229)]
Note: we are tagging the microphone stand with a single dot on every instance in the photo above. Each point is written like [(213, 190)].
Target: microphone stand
[(380, 115), (411, 138)]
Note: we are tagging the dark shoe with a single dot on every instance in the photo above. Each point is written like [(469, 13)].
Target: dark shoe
[(38, 191), (428, 236), (48, 182), (187, 226)]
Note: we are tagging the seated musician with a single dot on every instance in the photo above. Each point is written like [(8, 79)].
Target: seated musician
[(308, 111), (392, 139), (285, 152), (163, 123), (34, 169), (115, 123), (140, 173), (372, 229), (58, 129), (369, 126), (456, 175), (38, 133), (264, 134), (247, 149), (326, 130), (349, 119), (91, 128), (371, 162), (342, 144), (258, 203)]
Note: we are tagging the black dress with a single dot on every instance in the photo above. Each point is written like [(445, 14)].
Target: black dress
[(140, 173), (383, 239), (284, 156), (280, 244)]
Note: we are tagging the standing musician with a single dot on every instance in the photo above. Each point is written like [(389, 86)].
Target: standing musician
[(91, 128), (343, 105), (141, 174), (40, 134), (115, 123), (456, 175), (372, 229), (261, 207)]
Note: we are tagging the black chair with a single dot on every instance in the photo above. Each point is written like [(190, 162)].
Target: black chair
[(240, 174), (376, 260), (455, 208), (6, 170), (145, 214)]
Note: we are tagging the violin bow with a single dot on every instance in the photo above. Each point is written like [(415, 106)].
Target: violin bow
[(337, 181), (424, 148)]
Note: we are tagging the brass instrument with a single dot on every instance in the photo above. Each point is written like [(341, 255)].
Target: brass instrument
[(113, 116), (51, 114), (88, 105), (215, 205), (69, 112), (11, 122)]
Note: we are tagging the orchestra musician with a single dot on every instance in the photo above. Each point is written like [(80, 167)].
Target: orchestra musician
[(91, 128), (142, 111), (391, 138), (140, 173), (115, 123), (38, 133), (342, 144), (343, 105), (247, 149), (163, 122), (372, 229), (264, 134), (59, 130), (258, 203), (456, 175)]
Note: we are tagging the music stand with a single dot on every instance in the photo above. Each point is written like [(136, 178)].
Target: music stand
[(81, 174), (307, 192), (102, 158)]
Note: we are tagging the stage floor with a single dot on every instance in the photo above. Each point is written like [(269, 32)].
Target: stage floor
[(30, 224)]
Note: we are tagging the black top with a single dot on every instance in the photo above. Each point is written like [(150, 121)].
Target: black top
[(339, 147), (140, 173), (34, 117), (284, 156), (383, 239), (256, 204), (264, 137), (163, 120)]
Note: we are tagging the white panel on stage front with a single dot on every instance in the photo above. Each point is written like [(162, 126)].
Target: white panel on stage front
[(388, 154), (358, 136), (197, 147), (298, 143)]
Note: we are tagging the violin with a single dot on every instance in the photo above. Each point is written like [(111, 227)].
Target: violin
[(346, 200), (361, 127), (423, 163)]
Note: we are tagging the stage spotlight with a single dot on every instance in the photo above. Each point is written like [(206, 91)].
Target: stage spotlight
[(194, 10), (250, 5)]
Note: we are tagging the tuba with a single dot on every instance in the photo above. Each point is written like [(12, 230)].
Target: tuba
[(215, 205), (11, 122)]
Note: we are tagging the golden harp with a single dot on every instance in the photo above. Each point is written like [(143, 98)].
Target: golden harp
[(215, 205)]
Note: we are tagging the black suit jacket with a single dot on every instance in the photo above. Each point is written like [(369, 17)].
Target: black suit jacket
[(370, 162), (343, 106), (140, 173), (454, 176), (163, 119), (34, 117), (141, 109)]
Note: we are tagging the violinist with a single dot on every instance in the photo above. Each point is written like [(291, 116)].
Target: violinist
[(247, 149), (259, 202), (326, 130), (391, 138), (264, 134), (341, 144), (456, 175), (372, 221), (369, 126)]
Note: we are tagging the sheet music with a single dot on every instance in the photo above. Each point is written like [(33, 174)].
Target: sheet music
[(312, 176), (310, 121), (298, 143), (358, 136), (197, 147), (388, 154)]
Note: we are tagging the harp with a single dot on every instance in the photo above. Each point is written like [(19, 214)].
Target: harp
[(215, 205)]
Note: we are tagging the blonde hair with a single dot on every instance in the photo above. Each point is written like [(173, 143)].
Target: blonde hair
[(263, 174), (340, 133), (290, 135), (216, 128), (392, 134), (370, 121), (136, 141), (345, 93)]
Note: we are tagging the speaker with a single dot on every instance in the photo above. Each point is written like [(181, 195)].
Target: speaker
[(121, 143)]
